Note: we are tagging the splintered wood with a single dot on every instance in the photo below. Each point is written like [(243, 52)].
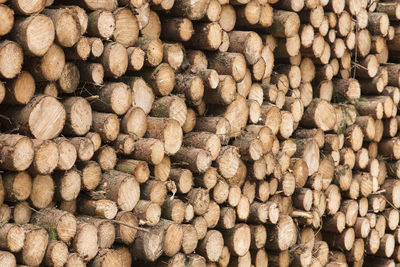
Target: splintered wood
[(207, 133)]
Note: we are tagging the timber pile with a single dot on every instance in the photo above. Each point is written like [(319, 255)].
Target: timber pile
[(199, 133)]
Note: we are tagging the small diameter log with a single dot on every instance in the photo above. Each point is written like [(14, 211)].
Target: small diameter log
[(136, 58), (7, 15), (125, 230), (35, 244), (170, 107), (218, 125), (153, 49), (150, 150), (107, 125), (134, 123), (102, 208), (106, 156), (19, 90), (84, 148), (246, 42), (79, 117), (226, 63), (68, 184), (12, 149), (107, 257), (197, 160), (25, 30), (161, 79), (42, 191), (173, 54), (285, 24), (22, 213), (67, 153), (121, 188), (139, 169), (282, 235), (69, 79), (204, 140), (106, 230), (191, 86), (390, 148), (124, 144), (113, 97)]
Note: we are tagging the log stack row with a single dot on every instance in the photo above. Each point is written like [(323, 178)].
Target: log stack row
[(199, 133)]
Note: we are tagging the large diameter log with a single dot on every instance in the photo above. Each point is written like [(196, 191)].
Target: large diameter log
[(18, 186), (85, 242), (64, 223), (35, 34), (56, 253), (282, 235), (121, 188), (46, 157), (126, 27), (36, 240), (50, 66), (148, 245), (248, 43), (17, 152), (211, 246), (43, 117), (12, 237), (61, 18), (124, 231), (319, 114)]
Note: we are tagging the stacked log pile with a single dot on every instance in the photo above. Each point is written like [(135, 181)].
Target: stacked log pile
[(199, 133)]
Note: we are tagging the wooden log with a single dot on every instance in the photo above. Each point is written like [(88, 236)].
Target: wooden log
[(63, 223), (26, 28), (36, 240), (121, 188)]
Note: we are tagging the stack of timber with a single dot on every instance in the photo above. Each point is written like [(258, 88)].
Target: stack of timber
[(202, 133)]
